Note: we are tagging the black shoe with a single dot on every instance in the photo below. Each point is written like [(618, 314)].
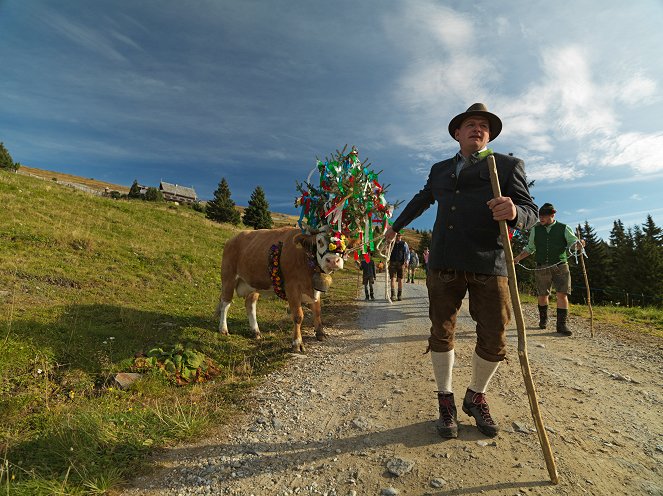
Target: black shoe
[(372, 297), (399, 296), (447, 424), (366, 298), (543, 316), (562, 328), (475, 405)]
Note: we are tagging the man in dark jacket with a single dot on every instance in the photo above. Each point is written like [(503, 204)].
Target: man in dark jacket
[(549, 240), (400, 254), (466, 254)]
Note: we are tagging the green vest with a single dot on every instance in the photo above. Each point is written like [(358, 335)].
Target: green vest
[(550, 246)]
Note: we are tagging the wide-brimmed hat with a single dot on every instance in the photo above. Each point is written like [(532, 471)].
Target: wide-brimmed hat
[(547, 209), (480, 110)]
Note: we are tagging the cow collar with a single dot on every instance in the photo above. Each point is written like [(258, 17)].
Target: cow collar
[(275, 270)]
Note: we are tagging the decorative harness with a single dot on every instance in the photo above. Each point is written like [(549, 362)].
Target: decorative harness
[(274, 266)]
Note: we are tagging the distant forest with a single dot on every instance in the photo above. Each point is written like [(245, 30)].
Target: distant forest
[(627, 270)]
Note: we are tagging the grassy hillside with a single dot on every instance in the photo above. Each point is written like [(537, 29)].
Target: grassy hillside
[(87, 284)]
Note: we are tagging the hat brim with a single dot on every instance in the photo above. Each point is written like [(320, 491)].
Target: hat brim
[(493, 120)]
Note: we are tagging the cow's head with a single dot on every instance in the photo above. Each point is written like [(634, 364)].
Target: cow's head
[(328, 248)]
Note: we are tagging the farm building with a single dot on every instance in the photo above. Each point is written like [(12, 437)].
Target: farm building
[(174, 192)]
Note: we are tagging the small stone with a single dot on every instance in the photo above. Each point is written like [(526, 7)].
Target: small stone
[(126, 379), (399, 466), (520, 428), (389, 491), (438, 482), (482, 443)]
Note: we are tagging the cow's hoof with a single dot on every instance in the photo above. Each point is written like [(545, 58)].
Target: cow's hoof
[(321, 335), (223, 332), (257, 335), (298, 347)]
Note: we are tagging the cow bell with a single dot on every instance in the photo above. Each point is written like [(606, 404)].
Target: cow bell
[(321, 281)]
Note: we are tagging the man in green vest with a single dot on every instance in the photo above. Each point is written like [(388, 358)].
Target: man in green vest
[(549, 241)]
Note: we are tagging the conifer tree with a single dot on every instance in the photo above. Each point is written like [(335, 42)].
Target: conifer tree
[(257, 213), (647, 264), (134, 191), (597, 265), (6, 161), (222, 208), (621, 254)]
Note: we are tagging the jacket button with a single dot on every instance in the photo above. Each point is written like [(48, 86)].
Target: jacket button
[(451, 226), (457, 191), (453, 208), (453, 175)]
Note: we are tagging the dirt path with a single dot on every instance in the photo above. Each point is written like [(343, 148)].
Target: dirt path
[(335, 420)]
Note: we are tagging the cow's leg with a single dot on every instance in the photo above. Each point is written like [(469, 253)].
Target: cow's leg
[(250, 302), (222, 313), (297, 319), (320, 333)]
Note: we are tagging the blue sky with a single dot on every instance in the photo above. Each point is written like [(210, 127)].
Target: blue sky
[(253, 91)]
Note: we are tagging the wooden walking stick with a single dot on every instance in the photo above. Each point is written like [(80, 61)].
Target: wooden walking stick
[(589, 293), (522, 338)]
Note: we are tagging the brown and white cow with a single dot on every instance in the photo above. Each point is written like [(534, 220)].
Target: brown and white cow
[(247, 268)]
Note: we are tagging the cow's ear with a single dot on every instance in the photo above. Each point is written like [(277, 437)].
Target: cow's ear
[(303, 240)]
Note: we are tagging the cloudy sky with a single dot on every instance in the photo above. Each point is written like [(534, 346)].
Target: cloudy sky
[(190, 92)]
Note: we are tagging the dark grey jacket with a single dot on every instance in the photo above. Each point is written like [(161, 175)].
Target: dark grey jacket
[(465, 236)]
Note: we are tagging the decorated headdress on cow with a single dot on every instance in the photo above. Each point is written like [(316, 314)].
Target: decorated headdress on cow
[(348, 200)]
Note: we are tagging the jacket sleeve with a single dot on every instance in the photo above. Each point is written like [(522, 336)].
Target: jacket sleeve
[(516, 188), (417, 206)]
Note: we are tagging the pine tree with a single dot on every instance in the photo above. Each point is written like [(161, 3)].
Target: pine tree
[(6, 161), (424, 242), (134, 191), (647, 266), (222, 208), (597, 265), (621, 255), (257, 213)]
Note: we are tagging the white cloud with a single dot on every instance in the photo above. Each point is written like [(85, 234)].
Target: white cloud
[(636, 150), (553, 171), (635, 196), (636, 90)]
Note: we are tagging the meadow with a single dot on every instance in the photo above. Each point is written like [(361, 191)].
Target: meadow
[(87, 284)]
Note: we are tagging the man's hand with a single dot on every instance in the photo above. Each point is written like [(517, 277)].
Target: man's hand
[(390, 234), (502, 208)]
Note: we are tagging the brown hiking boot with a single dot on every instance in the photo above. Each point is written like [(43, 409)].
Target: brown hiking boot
[(475, 405), (447, 425)]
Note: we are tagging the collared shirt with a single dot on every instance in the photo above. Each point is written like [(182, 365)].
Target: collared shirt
[(568, 235), (462, 162)]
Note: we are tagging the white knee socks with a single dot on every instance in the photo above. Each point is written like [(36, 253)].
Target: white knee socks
[(482, 373), (443, 364)]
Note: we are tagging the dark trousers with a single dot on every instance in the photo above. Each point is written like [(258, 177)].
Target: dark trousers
[(489, 308)]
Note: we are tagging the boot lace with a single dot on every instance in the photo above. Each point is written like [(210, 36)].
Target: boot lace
[(446, 409), (479, 400)]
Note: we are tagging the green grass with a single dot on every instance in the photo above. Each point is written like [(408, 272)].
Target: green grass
[(86, 283)]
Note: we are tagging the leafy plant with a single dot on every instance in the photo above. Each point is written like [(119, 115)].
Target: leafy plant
[(183, 365)]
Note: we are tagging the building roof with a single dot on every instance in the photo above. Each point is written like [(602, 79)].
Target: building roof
[(174, 189)]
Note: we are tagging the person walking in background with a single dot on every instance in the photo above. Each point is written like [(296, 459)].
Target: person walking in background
[(549, 241), (466, 254), (426, 254), (368, 275), (400, 255), (412, 265)]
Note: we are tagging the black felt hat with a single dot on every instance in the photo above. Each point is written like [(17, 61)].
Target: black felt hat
[(547, 209), (480, 110)]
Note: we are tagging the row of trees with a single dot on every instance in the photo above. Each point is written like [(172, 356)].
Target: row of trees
[(222, 208), (627, 270)]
